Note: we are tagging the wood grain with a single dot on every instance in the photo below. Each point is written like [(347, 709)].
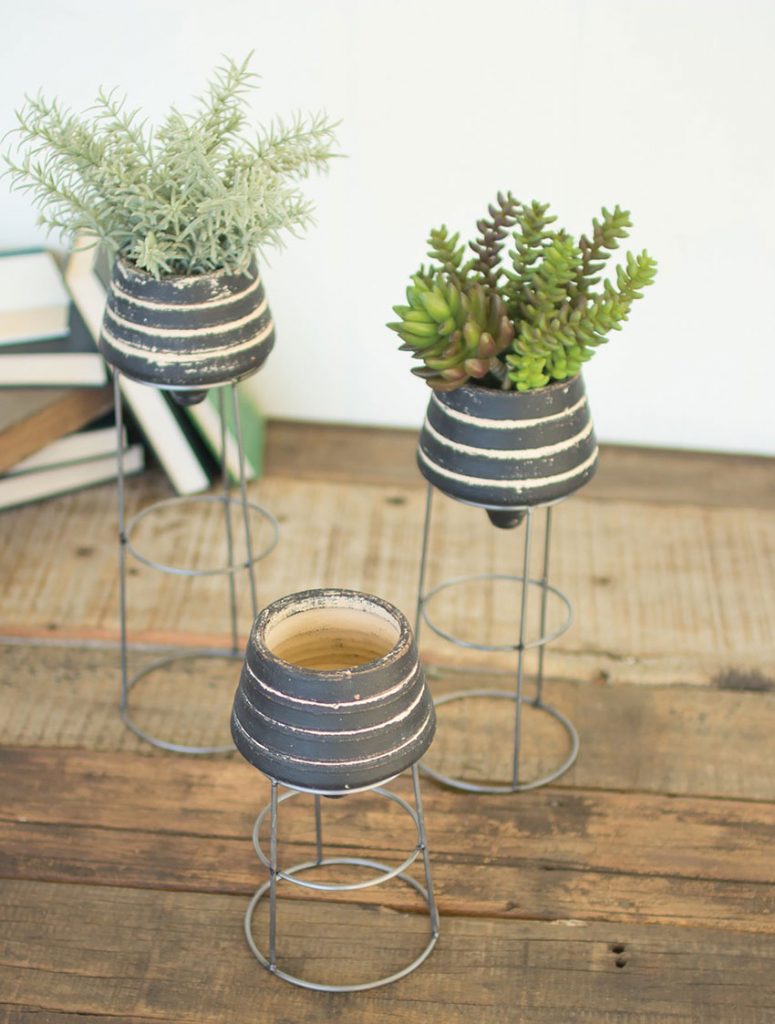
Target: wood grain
[(626, 473), (180, 956), (688, 740), (664, 594), (579, 854), (52, 415), (639, 890)]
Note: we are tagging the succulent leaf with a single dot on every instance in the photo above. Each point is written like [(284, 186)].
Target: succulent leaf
[(537, 318)]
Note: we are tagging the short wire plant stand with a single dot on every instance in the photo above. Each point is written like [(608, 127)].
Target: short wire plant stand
[(379, 873), (230, 569), (520, 646)]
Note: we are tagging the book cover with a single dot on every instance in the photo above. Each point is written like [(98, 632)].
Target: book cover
[(70, 361), (23, 488), (31, 418), (207, 420), (79, 447), (33, 297), (153, 413)]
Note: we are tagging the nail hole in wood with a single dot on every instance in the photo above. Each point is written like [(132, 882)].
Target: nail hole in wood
[(618, 947), (620, 961)]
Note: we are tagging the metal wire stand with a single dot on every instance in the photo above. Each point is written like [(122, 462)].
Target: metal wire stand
[(520, 646), (381, 873), (230, 569)]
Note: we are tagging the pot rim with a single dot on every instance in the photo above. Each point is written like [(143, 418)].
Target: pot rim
[(307, 600), (473, 385), (144, 275)]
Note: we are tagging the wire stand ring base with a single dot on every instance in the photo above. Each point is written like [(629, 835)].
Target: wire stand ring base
[(383, 875), (292, 874), (229, 504), (156, 741), (379, 873), (520, 644), (517, 787), (234, 564)]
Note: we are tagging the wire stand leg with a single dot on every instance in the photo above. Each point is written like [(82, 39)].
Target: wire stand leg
[(544, 594), (423, 846), (423, 563), (119, 414), (244, 498), (521, 651), (227, 527), (273, 882), (318, 832)]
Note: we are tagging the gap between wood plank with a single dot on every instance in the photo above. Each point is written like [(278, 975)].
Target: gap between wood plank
[(72, 817), (387, 456), (678, 739), (71, 944)]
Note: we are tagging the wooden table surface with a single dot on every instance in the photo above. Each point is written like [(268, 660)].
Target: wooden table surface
[(637, 889)]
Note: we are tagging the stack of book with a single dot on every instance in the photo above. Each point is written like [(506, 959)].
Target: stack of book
[(56, 431), (57, 426)]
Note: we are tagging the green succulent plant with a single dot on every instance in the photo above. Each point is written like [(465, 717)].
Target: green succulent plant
[(197, 193), (525, 321)]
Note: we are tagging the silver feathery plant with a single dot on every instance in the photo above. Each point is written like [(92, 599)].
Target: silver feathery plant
[(199, 192)]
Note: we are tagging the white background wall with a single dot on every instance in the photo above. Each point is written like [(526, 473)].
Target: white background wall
[(664, 106)]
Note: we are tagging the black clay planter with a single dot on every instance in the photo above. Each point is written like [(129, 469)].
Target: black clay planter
[(332, 696), (186, 332), (508, 449)]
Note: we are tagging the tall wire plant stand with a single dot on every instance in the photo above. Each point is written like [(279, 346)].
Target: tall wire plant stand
[(520, 646), (230, 569)]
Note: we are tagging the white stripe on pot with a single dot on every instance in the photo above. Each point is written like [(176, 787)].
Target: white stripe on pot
[(339, 704), (501, 453), (172, 307), (511, 485), (286, 727), (480, 421), (383, 755), (163, 357), (180, 332)]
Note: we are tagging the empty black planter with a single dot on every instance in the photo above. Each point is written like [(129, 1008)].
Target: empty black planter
[(508, 449), (186, 332), (332, 696)]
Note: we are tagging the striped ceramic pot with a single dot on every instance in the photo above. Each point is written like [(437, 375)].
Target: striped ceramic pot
[(188, 332), (508, 450), (332, 696)]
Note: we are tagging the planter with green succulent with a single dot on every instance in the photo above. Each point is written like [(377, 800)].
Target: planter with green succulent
[(502, 342), (182, 209)]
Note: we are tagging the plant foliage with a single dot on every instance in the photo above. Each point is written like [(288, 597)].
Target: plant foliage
[(524, 320), (197, 193)]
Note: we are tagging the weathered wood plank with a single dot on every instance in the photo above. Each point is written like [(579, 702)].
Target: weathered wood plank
[(181, 956), (667, 739), (465, 885), (683, 740), (626, 473), (606, 831), (37, 1015), (664, 594), (669, 560), (113, 819)]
